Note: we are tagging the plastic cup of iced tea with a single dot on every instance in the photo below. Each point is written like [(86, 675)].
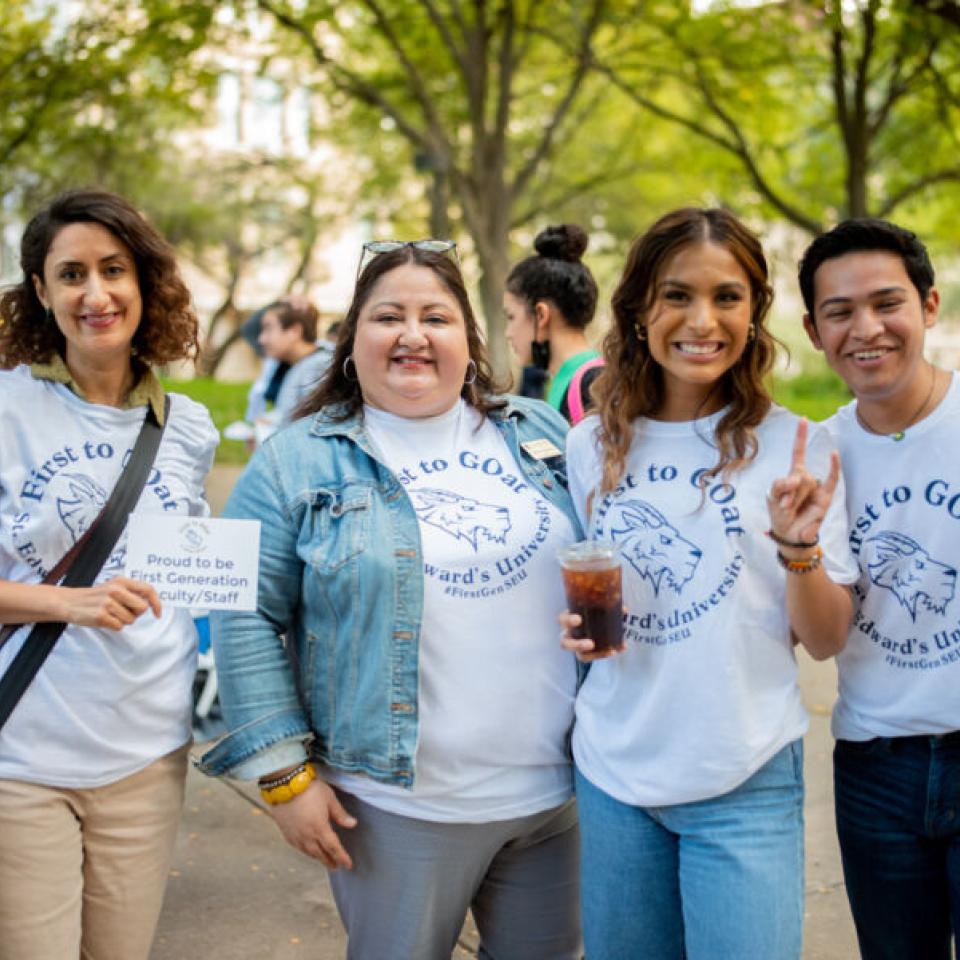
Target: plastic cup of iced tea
[(591, 576)]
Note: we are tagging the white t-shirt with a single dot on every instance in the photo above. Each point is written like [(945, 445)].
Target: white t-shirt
[(900, 671), (706, 691), (495, 688), (105, 703)]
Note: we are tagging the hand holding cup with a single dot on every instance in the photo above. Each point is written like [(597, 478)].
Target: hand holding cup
[(593, 624)]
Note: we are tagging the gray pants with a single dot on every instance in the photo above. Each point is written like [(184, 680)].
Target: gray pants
[(413, 880)]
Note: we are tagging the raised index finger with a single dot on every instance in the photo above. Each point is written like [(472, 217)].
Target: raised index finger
[(830, 484), (798, 460)]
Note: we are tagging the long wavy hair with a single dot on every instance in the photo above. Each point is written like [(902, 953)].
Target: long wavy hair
[(168, 326), (342, 394), (632, 384)]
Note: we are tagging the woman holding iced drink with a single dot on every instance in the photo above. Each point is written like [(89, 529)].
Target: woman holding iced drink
[(722, 505)]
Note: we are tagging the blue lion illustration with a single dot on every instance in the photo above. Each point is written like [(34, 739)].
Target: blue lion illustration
[(462, 517), (80, 504), (899, 564), (654, 547)]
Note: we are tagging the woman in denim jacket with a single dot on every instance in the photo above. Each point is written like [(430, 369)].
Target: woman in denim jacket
[(411, 733)]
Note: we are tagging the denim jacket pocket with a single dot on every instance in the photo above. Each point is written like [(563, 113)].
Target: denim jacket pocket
[(341, 526)]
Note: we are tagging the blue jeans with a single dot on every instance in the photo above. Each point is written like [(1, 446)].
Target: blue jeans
[(898, 820), (718, 879)]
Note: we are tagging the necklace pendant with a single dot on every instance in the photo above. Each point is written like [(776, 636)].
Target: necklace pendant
[(898, 436)]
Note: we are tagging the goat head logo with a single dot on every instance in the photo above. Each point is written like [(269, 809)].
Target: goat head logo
[(899, 564), (654, 547), (462, 517)]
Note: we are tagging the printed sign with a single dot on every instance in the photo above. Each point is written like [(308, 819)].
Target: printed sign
[(195, 561)]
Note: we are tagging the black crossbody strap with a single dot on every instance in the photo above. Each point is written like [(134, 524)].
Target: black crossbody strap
[(88, 562)]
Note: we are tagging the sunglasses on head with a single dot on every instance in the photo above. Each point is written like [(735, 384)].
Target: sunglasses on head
[(373, 248)]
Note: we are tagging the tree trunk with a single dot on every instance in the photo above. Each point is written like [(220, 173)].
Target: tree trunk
[(492, 277), (439, 197), (857, 186), (211, 357), (487, 214)]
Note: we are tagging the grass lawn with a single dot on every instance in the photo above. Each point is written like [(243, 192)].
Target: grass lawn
[(814, 395), (226, 403)]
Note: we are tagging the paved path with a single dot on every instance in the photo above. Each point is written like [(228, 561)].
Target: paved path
[(238, 892)]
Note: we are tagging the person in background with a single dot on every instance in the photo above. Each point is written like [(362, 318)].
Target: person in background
[(263, 391), (411, 733), (868, 288), (688, 743), (549, 301), (288, 334), (93, 757)]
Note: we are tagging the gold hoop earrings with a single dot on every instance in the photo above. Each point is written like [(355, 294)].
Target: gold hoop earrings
[(640, 330)]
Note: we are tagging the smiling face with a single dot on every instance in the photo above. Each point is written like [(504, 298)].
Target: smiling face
[(870, 323), (410, 349), (90, 283), (697, 326)]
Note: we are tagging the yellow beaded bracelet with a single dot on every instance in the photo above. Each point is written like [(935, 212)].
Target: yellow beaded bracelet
[(285, 792)]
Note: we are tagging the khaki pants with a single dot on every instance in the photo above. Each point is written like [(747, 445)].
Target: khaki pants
[(82, 872)]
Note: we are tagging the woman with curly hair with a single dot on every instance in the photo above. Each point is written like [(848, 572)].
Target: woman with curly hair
[(93, 757), (688, 743)]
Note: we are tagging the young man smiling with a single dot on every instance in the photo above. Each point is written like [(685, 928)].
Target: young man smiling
[(868, 288)]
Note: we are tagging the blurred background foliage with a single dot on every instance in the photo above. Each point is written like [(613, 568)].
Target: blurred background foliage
[(484, 120)]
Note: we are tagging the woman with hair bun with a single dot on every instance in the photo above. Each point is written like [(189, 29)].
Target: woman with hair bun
[(550, 299)]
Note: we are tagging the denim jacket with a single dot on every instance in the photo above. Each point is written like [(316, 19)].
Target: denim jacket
[(341, 574)]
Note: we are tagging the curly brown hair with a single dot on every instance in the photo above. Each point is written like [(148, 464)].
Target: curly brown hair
[(336, 388), (632, 384), (168, 328)]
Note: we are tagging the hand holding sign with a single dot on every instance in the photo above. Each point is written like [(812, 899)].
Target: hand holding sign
[(195, 563), (799, 501), (112, 605)]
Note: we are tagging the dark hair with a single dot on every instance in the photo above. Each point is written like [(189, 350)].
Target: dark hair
[(631, 384), (862, 235), (300, 312), (557, 275), (168, 327), (336, 388)]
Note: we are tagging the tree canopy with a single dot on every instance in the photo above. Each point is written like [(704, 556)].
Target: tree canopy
[(485, 120)]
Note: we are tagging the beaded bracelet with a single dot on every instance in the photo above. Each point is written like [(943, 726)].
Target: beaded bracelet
[(284, 788), (797, 544), (801, 566)]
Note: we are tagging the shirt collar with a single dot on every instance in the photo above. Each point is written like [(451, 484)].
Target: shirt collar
[(147, 390)]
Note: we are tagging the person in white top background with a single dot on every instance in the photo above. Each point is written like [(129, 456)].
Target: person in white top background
[(868, 288), (93, 757), (687, 744)]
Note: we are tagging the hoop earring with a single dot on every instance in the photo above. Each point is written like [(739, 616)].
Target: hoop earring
[(640, 330), (471, 376), (346, 375), (751, 332), (50, 317)]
